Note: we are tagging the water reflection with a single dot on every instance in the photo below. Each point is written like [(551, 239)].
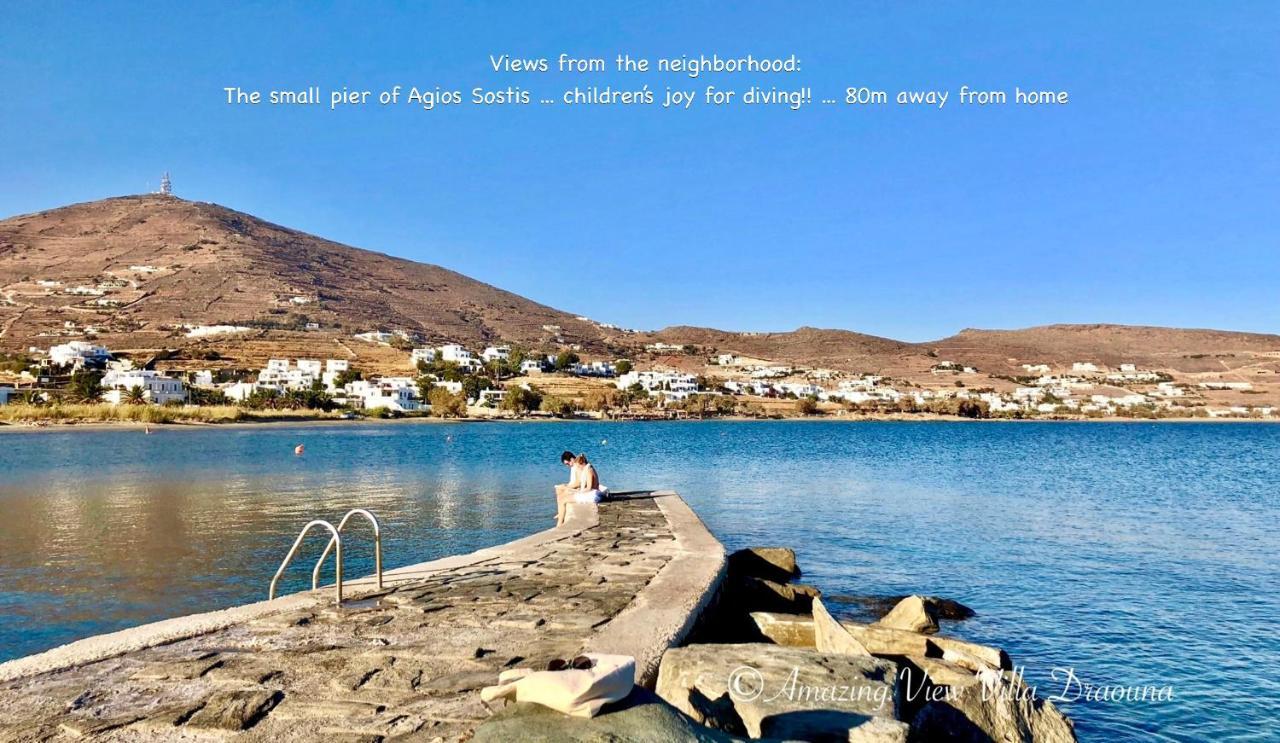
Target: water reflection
[(1135, 553)]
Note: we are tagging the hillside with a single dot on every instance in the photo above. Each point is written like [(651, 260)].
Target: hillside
[(136, 271), (1174, 349), (136, 267)]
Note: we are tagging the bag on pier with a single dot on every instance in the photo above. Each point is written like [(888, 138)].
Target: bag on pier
[(576, 692)]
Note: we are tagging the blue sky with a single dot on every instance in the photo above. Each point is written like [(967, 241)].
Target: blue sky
[(1151, 198)]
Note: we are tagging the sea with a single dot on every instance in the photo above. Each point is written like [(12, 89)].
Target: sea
[(1131, 570)]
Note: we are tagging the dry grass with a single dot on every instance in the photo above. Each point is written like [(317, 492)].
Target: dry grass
[(60, 413)]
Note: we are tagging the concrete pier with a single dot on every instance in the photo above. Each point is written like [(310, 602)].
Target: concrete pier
[(628, 576)]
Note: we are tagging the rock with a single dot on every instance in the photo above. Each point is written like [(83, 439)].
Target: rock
[(1002, 711), (830, 636), (880, 730), (762, 690), (948, 608), (794, 630), (235, 710), (642, 717), (913, 614), (888, 641), (884, 641), (871, 608), (993, 657), (777, 564), (748, 594)]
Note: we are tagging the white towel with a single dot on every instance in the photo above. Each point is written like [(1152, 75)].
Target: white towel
[(579, 693)]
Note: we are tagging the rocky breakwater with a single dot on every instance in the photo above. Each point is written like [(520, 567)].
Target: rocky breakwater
[(770, 661)]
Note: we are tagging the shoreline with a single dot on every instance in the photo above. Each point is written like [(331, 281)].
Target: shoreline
[(96, 425)]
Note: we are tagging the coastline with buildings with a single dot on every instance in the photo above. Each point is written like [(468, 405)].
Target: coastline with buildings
[(81, 381)]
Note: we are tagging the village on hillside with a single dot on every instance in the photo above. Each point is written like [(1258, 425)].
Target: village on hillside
[(660, 381)]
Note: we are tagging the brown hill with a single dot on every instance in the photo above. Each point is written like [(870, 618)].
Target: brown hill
[(1176, 349), (817, 347), (137, 267)]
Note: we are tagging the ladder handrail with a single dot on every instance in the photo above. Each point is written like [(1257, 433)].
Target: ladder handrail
[(377, 547), (336, 539)]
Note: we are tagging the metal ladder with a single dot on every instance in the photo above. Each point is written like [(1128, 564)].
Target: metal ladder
[(334, 545)]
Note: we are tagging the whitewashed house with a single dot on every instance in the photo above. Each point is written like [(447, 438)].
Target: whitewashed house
[(332, 368), (376, 336), (422, 356), (398, 394), (457, 354), (672, 385), (1084, 367), (78, 353), (531, 366), (239, 391), (156, 388), (496, 353)]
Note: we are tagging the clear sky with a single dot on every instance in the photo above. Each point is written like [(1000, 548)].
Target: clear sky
[(1153, 197)]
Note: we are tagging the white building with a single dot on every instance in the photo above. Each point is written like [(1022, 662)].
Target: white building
[(422, 356), (496, 353), (491, 398), (332, 368), (156, 388), (239, 391), (1084, 367), (457, 354), (1036, 368), (392, 393), (78, 353), (376, 336), (203, 378), (673, 385), (594, 369), (531, 366)]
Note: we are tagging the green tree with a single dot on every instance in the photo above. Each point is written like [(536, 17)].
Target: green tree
[(565, 360), (557, 406), (623, 366), (425, 385), (135, 395), (85, 386), (602, 399), (521, 400), (346, 377), (446, 404), (202, 396), (473, 384)]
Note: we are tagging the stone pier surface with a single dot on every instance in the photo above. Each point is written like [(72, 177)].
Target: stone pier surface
[(402, 663)]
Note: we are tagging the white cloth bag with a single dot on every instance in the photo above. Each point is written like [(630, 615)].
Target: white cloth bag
[(579, 693)]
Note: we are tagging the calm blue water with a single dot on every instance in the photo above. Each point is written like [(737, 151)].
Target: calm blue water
[(1134, 553)]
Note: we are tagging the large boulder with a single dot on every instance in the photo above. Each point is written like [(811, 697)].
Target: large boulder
[(641, 717), (912, 613), (795, 630), (799, 631), (774, 691), (830, 636), (777, 564), (748, 594), (987, 707)]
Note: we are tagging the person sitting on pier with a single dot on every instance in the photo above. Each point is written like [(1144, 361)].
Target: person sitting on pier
[(583, 486)]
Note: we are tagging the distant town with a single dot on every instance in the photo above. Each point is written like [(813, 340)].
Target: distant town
[(503, 381)]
